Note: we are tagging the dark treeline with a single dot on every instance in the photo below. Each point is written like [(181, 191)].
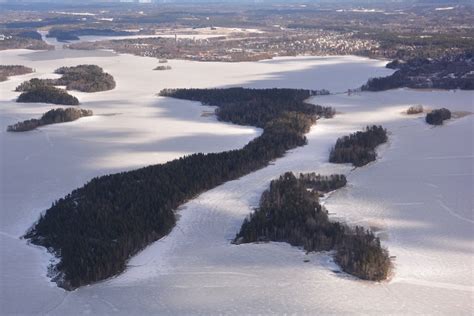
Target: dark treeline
[(246, 107), (410, 45), (30, 34), (358, 148), (85, 78), (436, 117), (47, 94), (289, 211), (447, 72), (98, 227), (13, 70), (54, 116)]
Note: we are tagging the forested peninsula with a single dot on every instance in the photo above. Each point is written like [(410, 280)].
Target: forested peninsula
[(289, 211), (95, 229)]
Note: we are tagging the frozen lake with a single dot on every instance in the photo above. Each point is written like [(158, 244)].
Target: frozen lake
[(418, 195)]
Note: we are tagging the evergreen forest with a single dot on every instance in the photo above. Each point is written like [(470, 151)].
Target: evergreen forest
[(289, 211)]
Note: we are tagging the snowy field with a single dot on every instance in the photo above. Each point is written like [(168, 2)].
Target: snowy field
[(418, 196)]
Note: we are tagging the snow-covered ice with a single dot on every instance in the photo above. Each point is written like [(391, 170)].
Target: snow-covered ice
[(417, 196)]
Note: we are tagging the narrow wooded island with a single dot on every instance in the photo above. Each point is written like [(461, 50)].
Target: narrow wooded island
[(289, 211), (95, 229), (54, 116)]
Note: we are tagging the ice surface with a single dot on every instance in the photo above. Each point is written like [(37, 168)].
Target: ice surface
[(417, 196)]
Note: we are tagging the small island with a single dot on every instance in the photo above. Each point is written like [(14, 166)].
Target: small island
[(47, 94), (162, 68), (84, 78), (415, 109), (358, 148), (13, 70), (289, 211), (436, 117), (54, 116)]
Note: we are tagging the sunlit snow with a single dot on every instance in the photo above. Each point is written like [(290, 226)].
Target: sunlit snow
[(417, 196)]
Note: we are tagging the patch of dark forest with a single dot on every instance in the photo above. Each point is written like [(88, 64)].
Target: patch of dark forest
[(437, 117), (47, 94), (95, 229), (446, 72), (289, 211), (85, 78), (358, 148)]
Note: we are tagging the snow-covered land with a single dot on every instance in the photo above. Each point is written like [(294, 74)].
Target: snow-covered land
[(179, 34), (418, 195)]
